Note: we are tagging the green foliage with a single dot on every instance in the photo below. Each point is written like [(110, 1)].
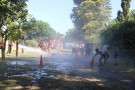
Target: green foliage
[(28, 23), (94, 38), (125, 4), (74, 35), (123, 15), (78, 2), (128, 32), (31, 43), (14, 32), (121, 34), (132, 15), (89, 18), (111, 34), (40, 30), (91, 15), (59, 36), (120, 16), (12, 10)]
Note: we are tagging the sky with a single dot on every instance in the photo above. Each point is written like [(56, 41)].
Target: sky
[(57, 12)]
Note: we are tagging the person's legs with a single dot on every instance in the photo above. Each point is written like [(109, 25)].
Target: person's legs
[(100, 59), (9, 49), (82, 51), (106, 57)]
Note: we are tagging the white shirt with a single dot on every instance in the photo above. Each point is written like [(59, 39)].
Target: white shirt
[(105, 49)]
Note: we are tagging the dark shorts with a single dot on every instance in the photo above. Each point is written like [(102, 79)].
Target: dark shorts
[(105, 55)]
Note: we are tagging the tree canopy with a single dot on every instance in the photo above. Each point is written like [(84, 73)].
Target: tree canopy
[(91, 15), (40, 30), (123, 15), (11, 11)]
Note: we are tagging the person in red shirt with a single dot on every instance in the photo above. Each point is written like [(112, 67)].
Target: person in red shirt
[(9, 46)]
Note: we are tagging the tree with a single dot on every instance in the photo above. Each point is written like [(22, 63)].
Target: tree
[(59, 36), (125, 4), (11, 11), (73, 35), (132, 15), (122, 30), (121, 34), (123, 15), (17, 30), (40, 30), (91, 15), (78, 2)]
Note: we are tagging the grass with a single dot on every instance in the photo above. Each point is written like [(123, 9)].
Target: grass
[(125, 66), (60, 81)]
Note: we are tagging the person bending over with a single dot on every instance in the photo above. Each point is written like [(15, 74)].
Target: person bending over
[(103, 54)]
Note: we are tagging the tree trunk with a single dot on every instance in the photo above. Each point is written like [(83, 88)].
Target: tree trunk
[(17, 49), (4, 39), (3, 53)]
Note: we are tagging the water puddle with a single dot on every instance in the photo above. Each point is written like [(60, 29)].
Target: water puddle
[(35, 74), (18, 62)]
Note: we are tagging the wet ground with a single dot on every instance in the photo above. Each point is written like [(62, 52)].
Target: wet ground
[(80, 66), (71, 67)]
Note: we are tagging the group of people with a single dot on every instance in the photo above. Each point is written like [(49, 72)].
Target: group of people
[(48, 45), (83, 49), (104, 54)]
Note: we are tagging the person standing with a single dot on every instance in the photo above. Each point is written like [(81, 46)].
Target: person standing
[(87, 49), (81, 48), (9, 47), (105, 53)]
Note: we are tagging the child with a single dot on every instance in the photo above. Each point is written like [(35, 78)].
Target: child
[(104, 54), (97, 52)]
